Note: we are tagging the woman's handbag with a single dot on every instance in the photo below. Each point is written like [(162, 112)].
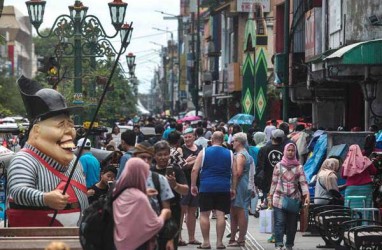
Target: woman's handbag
[(289, 204)]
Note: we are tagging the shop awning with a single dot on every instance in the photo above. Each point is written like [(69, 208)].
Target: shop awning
[(362, 53)]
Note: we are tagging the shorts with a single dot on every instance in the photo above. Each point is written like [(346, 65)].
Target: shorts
[(189, 200), (215, 201)]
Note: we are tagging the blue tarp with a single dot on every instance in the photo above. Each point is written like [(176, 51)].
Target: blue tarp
[(314, 162), (378, 139)]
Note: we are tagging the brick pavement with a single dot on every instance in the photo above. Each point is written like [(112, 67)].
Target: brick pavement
[(255, 239)]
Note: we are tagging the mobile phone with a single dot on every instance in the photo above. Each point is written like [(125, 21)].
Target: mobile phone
[(169, 171)]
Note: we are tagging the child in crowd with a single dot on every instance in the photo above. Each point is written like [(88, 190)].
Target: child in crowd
[(100, 188)]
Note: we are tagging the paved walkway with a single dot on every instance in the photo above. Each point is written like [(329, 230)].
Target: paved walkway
[(255, 239)]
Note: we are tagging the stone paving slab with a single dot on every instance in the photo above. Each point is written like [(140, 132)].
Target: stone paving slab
[(255, 239)]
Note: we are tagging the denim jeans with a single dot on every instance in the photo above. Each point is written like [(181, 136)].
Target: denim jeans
[(284, 223)]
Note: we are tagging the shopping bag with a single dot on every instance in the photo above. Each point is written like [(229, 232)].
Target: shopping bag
[(266, 221), (304, 218)]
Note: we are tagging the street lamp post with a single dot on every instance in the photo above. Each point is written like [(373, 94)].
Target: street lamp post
[(130, 59), (88, 35), (172, 83)]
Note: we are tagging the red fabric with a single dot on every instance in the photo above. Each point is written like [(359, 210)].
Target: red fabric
[(361, 178), (34, 218)]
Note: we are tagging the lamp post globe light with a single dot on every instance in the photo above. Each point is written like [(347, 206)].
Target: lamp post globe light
[(82, 36), (130, 59)]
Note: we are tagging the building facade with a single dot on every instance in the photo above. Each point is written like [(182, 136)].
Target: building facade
[(17, 55)]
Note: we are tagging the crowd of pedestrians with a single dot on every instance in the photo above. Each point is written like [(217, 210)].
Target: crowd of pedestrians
[(222, 172)]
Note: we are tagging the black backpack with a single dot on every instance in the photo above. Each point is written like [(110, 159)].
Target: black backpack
[(97, 224)]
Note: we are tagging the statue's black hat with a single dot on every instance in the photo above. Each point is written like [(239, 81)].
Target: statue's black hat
[(42, 103)]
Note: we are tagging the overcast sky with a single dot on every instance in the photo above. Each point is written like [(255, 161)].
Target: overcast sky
[(144, 17)]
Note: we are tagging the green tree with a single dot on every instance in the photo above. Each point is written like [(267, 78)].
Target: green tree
[(119, 101), (10, 99)]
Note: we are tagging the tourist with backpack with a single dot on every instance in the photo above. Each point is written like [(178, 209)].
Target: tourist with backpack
[(136, 223)]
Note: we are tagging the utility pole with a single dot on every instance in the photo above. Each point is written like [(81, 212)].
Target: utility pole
[(197, 59), (286, 54), (179, 50)]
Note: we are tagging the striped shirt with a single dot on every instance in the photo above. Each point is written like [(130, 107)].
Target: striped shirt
[(289, 186), (176, 158), (28, 179)]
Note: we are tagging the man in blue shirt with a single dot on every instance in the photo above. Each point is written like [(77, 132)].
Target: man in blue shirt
[(127, 143), (90, 164)]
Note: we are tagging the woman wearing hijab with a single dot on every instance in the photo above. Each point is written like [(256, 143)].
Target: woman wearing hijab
[(357, 170), (132, 210), (326, 181), (292, 174), (260, 140)]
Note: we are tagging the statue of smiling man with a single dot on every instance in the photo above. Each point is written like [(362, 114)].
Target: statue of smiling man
[(38, 173)]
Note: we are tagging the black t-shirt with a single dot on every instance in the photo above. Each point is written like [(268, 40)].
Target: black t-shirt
[(180, 178), (97, 194), (187, 152)]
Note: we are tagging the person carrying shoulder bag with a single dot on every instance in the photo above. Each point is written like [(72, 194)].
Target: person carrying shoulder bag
[(285, 196)]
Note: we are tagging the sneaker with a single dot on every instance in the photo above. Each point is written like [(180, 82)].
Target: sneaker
[(272, 239), (289, 248), (279, 248)]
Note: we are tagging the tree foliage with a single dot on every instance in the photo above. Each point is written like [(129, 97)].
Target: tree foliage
[(119, 101), (10, 100)]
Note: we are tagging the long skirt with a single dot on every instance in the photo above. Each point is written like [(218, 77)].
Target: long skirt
[(362, 190)]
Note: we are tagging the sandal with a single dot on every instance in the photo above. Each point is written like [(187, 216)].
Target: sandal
[(182, 243), (203, 247), (236, 243), (195, 242)]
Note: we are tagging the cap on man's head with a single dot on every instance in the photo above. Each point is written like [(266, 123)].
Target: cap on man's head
[(143, 147), (277, 133), (88, 143), (188, 131)]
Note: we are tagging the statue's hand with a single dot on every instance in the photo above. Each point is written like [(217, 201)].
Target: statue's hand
[(55, 199)]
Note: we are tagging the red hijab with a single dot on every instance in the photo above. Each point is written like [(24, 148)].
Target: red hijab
[(135, 220), (355, 162), (289, 162)]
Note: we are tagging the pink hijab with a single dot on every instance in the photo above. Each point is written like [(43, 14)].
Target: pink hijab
[(355, 162), (135, 220), (287, 162)]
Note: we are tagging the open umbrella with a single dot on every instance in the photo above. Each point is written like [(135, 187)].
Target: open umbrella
[(241, 119), (191, 118)]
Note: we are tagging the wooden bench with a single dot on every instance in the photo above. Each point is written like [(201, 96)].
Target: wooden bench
[(36, 238)]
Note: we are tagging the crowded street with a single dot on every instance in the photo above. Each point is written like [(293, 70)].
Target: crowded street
[(190, 124)]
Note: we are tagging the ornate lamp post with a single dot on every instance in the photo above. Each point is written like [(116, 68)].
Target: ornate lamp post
[(82, 36), (130, 59)]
